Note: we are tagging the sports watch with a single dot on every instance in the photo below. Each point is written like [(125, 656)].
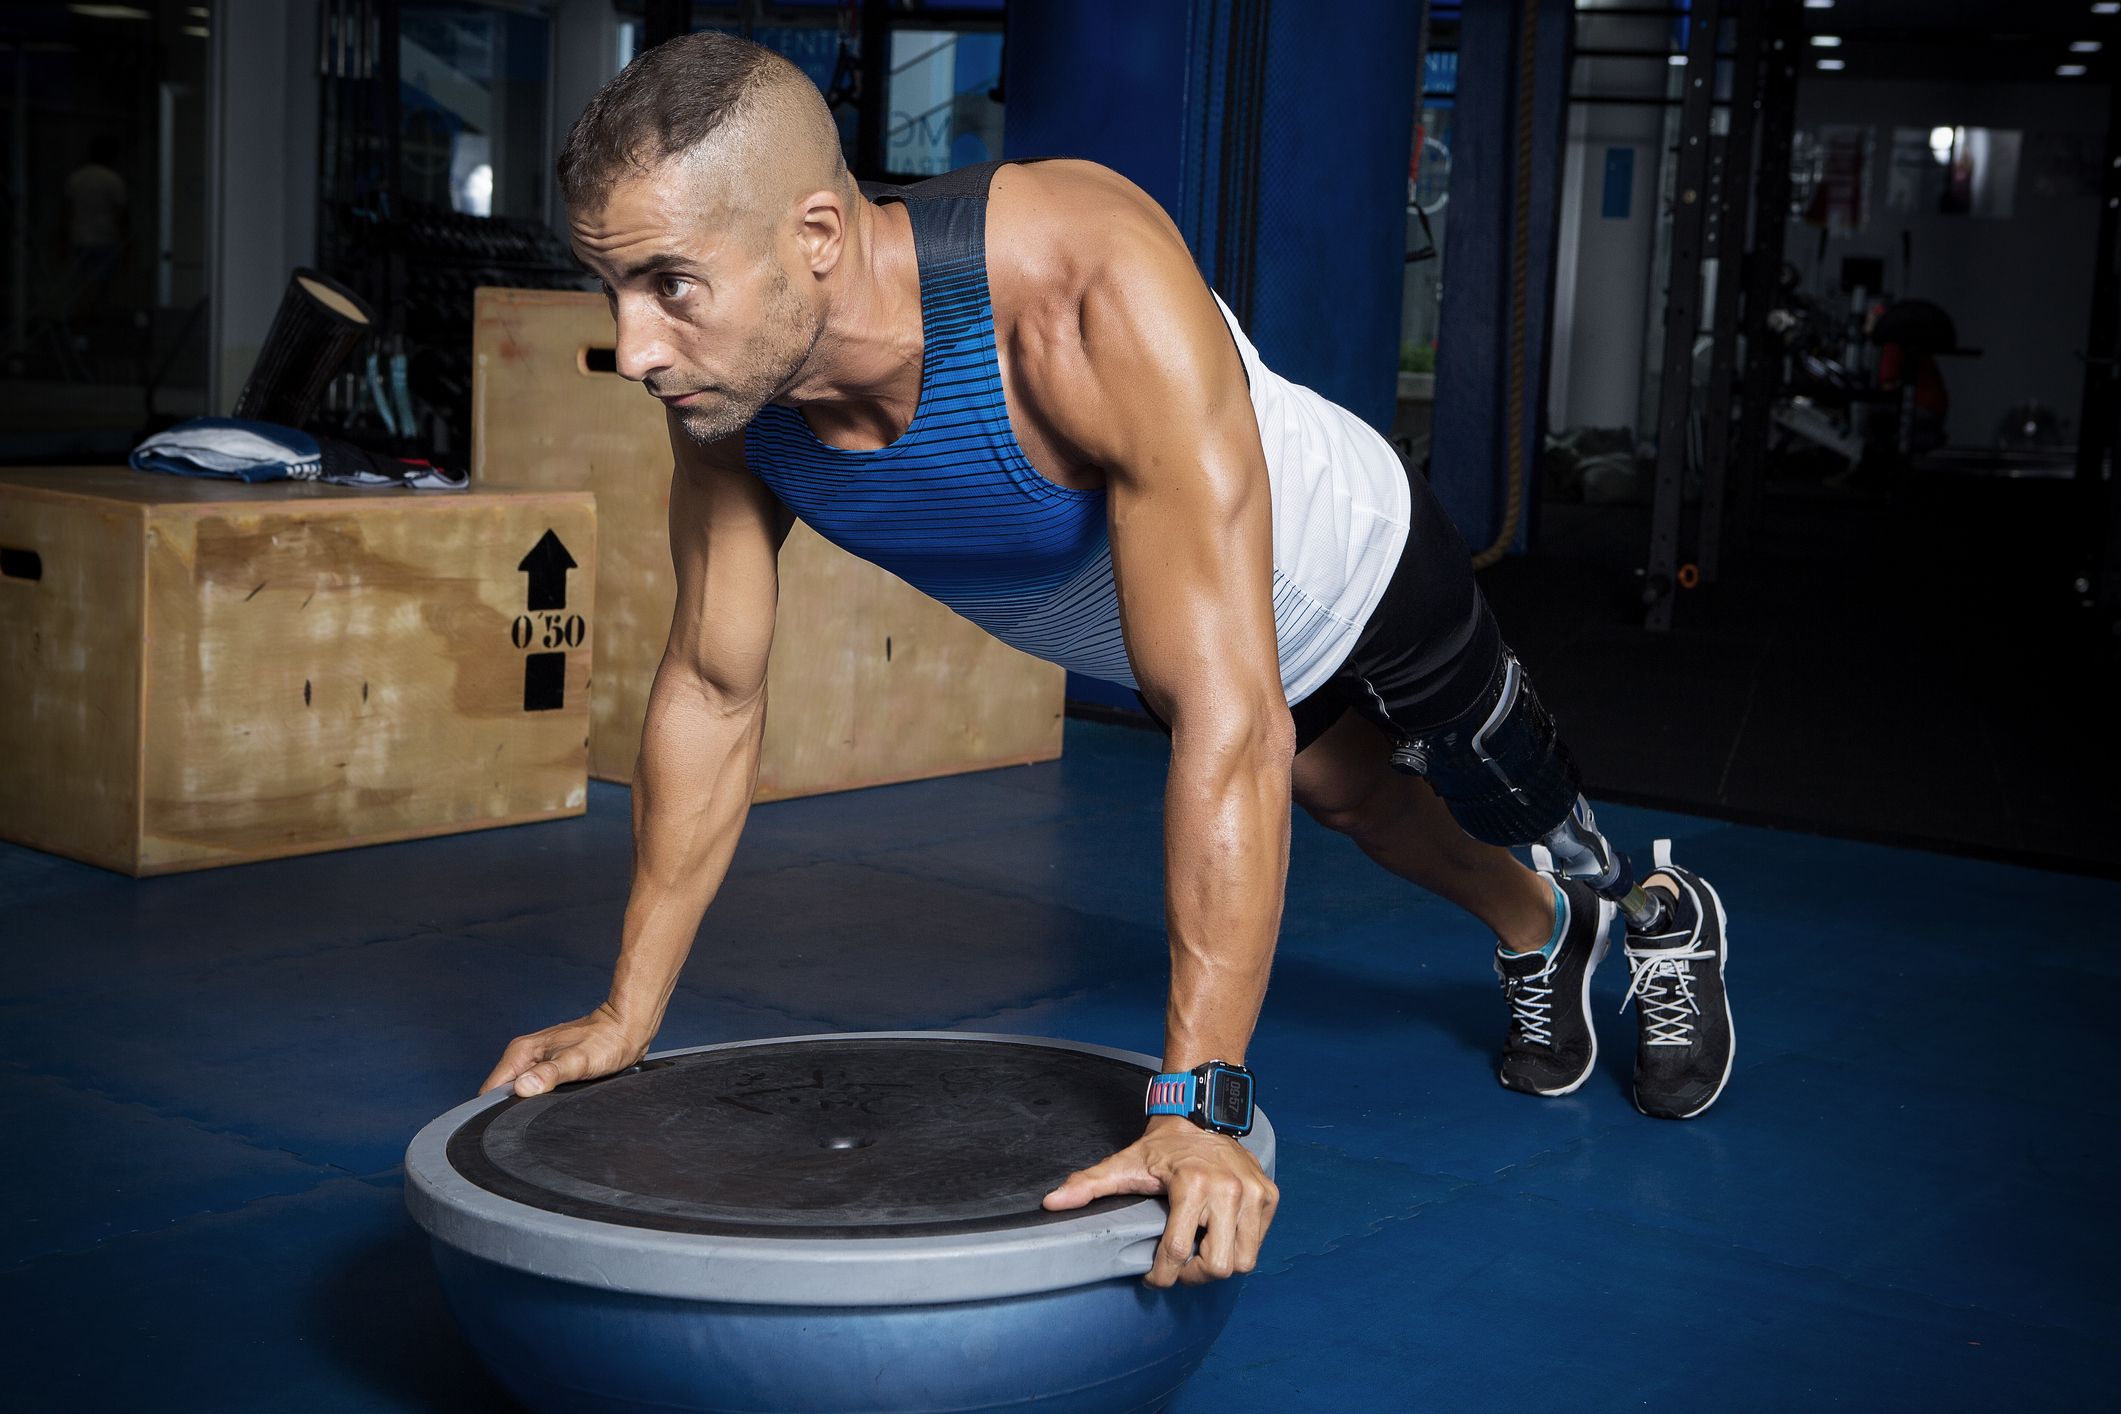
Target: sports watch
[(1216, 1096)]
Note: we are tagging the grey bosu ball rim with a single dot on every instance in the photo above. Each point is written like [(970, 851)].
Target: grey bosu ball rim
[(1100, 1245)]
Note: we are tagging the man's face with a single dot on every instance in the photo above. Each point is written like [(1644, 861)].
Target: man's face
[(707, 318)]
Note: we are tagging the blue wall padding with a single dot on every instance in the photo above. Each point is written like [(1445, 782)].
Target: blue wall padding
[(1465, 448), (1468, 448), (1130, 117), (1144, 88), (1102, 80), (1342, 86), (1297, 217)]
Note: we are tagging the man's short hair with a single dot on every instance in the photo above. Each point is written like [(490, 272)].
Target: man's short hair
[(664, 103)]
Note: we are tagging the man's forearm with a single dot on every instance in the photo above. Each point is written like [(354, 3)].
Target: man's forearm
[(1226, 858), (691, 791)]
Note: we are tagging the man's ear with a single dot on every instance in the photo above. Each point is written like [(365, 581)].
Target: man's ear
[(821, 219)]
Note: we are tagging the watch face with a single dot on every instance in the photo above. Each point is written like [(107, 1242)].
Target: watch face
[(1230, 1099)]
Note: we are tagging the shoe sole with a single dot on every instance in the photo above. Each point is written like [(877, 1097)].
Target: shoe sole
[(1604, 940), (1723, 960)]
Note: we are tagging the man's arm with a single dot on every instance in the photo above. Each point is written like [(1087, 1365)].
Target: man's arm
[(1159, 401), (698, 766)]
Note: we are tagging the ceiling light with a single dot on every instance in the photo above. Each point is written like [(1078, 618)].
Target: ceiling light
[(1831, 65), (2069, 71), (2084, 46), (2107, 7), (1818, 4), (1826, 41), (197, 31), (1677, 61), (111, 12)]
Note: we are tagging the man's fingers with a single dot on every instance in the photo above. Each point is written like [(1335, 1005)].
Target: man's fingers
[(1218, 1223), (552, 1058), (1074, 1191), (1254, 1216), (568, 1064), (1221, 1198), (1189, 1211), (595, 1045), (1122, 1173), (522, 1053)]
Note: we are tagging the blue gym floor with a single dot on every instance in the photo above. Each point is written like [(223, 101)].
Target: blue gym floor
[(1900, 1202)]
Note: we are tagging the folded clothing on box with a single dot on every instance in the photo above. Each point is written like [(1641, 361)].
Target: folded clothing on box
[(242, 450)]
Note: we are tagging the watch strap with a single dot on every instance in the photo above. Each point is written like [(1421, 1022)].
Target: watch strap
[(1172, 1094)]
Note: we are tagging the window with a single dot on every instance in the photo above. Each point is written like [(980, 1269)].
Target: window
[(472, 109)]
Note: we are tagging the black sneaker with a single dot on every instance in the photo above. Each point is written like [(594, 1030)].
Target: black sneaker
[(1552, 1047), (1683, 1047)]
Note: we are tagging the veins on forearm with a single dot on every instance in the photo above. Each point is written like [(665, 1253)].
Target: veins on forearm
[(1226, 858)]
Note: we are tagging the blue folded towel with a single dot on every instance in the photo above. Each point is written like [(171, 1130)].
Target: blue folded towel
[(243, 450)]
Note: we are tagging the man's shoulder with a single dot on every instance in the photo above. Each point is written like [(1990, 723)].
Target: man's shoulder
[(1059, 228), (1067, 181), (1093, 286)]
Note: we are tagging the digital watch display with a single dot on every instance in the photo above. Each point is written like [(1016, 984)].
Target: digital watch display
[(1216, 1096)]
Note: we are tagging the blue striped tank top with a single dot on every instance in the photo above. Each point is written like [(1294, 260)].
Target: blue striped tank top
[(954, 508)]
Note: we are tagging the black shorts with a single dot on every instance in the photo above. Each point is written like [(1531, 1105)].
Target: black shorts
[(1430, 646), (1430, 670)]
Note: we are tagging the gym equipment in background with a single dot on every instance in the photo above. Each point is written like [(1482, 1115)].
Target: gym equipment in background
[(314, 331)]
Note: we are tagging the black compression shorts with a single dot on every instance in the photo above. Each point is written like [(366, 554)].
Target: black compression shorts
[(1430, 646)]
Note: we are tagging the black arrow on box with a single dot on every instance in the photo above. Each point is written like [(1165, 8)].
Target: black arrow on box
[(545, 682), (547, 565), (545, 674)]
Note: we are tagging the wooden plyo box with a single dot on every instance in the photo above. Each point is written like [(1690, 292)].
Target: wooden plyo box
[(201, 672), (871, 681)]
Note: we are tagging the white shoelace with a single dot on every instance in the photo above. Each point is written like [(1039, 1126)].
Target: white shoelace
[(1664, 980), (1532, 1005)]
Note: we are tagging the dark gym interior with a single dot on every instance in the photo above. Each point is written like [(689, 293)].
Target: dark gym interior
[(1764, 353)]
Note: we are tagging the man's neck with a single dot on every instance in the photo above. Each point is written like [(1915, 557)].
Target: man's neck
[(863, 378)]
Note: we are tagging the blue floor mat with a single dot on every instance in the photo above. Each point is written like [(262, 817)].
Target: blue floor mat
[(1898, 1202)]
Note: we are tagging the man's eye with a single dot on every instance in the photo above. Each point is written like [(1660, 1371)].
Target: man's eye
[(672, 286)]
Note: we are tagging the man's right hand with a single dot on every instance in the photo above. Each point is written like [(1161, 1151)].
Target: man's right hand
[(599, 1044)]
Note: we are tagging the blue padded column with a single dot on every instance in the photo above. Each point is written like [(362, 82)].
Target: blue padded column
[(1276, 134), (1128, 113), (1469, 450), (1278, 142), (1105, 80), (1341, 86)]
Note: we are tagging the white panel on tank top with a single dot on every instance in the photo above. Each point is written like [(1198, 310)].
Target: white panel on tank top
[(1341, 503)]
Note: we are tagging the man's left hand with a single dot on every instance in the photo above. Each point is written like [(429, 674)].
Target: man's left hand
[(1210, 1181)]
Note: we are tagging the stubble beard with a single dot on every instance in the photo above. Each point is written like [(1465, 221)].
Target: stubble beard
[(780, 350)]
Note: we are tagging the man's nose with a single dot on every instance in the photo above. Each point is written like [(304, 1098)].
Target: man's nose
[(640, 351)]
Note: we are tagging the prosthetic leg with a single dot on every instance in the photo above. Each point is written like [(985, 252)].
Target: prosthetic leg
[(1508, 780)]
